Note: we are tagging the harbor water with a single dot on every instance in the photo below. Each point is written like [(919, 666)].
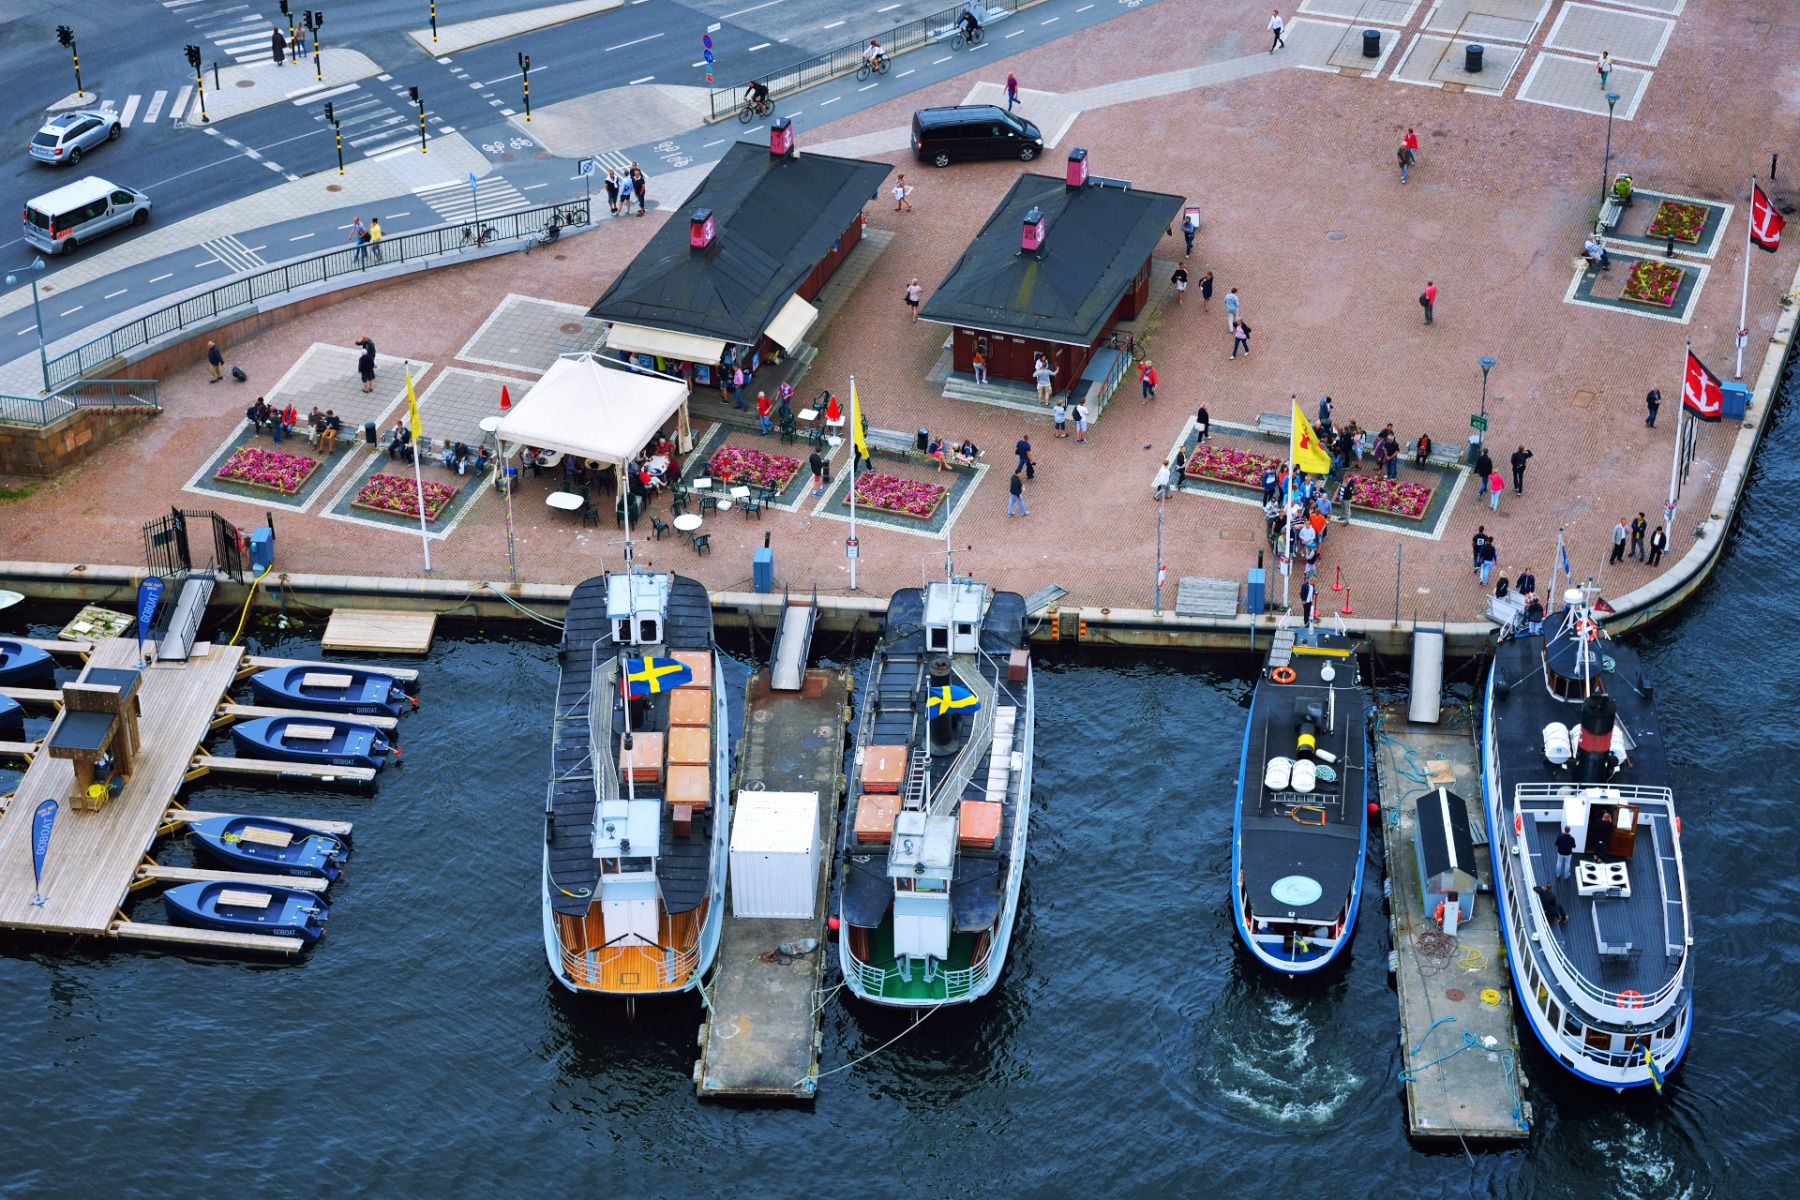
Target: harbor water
[(1131, 1050)]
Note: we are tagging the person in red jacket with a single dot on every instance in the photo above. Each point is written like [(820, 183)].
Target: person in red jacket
[(1147, 376), (763, 409)]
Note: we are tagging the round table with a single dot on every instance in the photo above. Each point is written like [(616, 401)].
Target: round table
[(687, 522), (489, 424), (565, 501)]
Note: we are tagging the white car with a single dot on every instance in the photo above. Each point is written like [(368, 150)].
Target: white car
[(66, 136)]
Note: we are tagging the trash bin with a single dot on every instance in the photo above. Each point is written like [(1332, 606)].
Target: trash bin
[(1474, 449), (762, 570), (1472, 59), (1371, 43), (369, 433), (923, 438), (1255, 599)]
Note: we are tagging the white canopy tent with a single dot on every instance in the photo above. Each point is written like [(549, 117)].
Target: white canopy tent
[(592, 407)]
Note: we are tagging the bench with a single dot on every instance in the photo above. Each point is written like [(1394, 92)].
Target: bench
[(1609, 214), (905, 447), (1612, 931)]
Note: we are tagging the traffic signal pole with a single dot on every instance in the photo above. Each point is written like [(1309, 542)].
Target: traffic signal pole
[(339, 132), (193, 57), (421, 104), (66, 36)]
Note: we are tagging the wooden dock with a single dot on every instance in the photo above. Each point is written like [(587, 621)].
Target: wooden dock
[(1459, 1054), (761, 1037), (230, 714), (268, 768), (378, 631)]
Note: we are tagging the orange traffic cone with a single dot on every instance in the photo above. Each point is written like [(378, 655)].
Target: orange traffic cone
[(505, 400), (1337, 583), (1347, 610)]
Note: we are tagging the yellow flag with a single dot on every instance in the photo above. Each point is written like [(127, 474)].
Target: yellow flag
[(1309, 456), (856, 429), (412, 405)]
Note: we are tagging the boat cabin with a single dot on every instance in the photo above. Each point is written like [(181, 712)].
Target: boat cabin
[(637, 606), (953, 616), (921, 862)]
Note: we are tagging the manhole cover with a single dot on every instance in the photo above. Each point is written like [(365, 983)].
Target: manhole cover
[(562, 258), (540, 155), (1455, 993), (247, 83), (509, 158), (334, 187), (1335, 235), (567, 327)]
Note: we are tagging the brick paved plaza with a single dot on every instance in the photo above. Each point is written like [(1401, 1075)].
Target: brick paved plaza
[(1292, 163)]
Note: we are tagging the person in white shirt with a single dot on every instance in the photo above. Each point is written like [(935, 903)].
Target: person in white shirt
[(1161, 487), (1276, 25), (873, 52), (1044, 376)]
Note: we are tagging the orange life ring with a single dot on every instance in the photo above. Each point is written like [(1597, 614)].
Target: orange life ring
[(1439, 915), (1519, 824), (1629, 999), (1282, 674)]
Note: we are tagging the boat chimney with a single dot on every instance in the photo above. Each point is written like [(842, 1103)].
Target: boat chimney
[(1031, 238), (701, 229), (943, 726), (1078, 168), (781, 138), (1595, 761)]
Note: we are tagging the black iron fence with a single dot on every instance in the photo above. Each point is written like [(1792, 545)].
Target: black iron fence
[(247, 289), (77, 394), (938, 28), (171, 543)]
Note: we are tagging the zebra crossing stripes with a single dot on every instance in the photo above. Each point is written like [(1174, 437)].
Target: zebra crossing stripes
[(238, 33), (614, 161), (369, 124), (492, 196), (235, 255)]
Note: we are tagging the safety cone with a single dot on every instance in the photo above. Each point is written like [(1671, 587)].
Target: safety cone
[(1337, 584), (1347, 610), (505, 400)]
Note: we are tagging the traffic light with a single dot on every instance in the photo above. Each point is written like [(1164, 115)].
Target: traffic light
[(328, 114), (193, 57), (284, 7), (524, 62), (318, 19), (65, 36), (306, 18), (415, 94)]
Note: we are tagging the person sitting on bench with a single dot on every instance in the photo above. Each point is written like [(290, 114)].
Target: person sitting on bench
[(1595, 252)]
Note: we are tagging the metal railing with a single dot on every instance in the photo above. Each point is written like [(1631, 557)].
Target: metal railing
[(673, 967), (81, 393), (351, 260), (957, 983), (936, 27)]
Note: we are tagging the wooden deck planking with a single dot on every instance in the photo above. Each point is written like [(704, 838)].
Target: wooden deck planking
[(375, 631), (33, 695), (187, 816), (94, 856), (60, 645), (19, 749), (258, 663), (248, 712), (217, 939), (206, 764), (158, 873)]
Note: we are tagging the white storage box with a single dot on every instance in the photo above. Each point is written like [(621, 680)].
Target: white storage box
[(774, 854)]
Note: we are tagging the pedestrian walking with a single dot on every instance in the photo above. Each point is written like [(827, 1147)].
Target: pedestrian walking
[(1639, 528), (278, 48), (900, 191), (1565, 852), (1411, 141), (1476, 544), (1180, 280), (1147, 379), (1276, 25), (1015, 496), (1652, 401), (1203, 425), (1659, 541), (737, 387), (375, 237), (1309, 596), (1406, 160), (913, 295), (979, 361), (612, 191), (1206, 292), (1240, 336), (215, 362), (763, 410), (1428, 299), (816, 463), (1027, 464), (359, 236), (1081, 421), (1496, 485), (1012, 90), (1604, 66), (1490, 554), (1045, 380), (1520, 457), (1189, 227), (1159, 489), (1484, 467), (1232, 303), (1620, 533)]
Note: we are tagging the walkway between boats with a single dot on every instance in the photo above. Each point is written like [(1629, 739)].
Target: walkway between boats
[(761, 1036), (1459, 1055)]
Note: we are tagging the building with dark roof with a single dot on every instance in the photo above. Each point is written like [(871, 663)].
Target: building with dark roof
[(766, 229), (1058, 264)]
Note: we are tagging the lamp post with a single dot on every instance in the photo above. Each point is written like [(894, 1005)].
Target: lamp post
[(12, 280), (1486, 364), (1612, 99)]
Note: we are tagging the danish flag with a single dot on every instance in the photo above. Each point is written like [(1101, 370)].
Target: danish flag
[(1700, 391), (1765, 223)]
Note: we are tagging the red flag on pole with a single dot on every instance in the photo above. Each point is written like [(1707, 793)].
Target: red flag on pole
[(1765, 223), (1700, 391), (505, 400)]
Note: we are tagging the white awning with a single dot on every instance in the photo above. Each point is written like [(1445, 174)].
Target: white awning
[(665, 343), (588, 407), (792, 322)]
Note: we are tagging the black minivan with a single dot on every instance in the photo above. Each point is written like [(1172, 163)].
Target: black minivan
[(941, 136)]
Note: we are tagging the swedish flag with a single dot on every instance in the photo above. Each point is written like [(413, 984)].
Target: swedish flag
[(951, 699), (1656, 1075), (646, 676)]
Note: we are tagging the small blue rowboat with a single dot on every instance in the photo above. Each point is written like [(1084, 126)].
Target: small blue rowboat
[(12, 719), (330, 689), (22, 663), (248, 908), (271, 846), (325, 741)]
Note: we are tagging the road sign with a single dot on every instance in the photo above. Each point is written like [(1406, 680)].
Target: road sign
[(1476, 421), (708, 56), (850, 548), (706, 40), (585, 167), (714, 27), (471, 181)]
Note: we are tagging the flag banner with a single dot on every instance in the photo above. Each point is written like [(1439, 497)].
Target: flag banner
[(1308, 454), (943, 700), (412, 406), (1656, 1074), (856, 429), (149, 596), (1765, 222), (1700, 391), (41, 822), (1562, 559), (646, 676)]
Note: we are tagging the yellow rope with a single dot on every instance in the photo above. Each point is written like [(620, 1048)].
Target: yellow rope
[(242, 617)]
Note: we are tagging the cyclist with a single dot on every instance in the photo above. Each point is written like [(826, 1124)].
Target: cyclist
[(757, 94), (971, 27), (874, 54)]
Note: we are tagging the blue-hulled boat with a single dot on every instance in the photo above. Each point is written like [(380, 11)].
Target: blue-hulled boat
[(271, 846), (322, 740), (21, 663), (330, 689), (12, 719), (248, 908)]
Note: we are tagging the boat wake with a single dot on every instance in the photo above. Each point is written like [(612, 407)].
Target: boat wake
[(1264, 1060)]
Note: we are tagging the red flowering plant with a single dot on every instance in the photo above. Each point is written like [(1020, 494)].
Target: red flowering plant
[(747, 465), (1230, 466), (398, 496), (890, 493), (1397, 497), (1654, 283), (1683, 222), (270, 470)]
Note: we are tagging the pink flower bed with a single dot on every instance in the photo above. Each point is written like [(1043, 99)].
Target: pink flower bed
[(747, 465), (271, 470), (1394, 496), (399, 496), (890, 493), (1231, 466)]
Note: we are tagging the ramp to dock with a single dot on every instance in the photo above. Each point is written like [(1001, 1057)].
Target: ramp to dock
[(761, 1035), (1459, 1055), (793, 642)]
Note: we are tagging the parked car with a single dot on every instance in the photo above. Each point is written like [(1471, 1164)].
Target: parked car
[(66, 136), (80, 212), (941, 136)]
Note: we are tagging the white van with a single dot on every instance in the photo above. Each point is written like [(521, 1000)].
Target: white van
[(81, 212)]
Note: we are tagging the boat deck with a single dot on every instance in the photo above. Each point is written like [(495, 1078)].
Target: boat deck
[(1468, 992), (761, 1037)]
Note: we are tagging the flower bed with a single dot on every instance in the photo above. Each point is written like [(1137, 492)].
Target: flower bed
[(1683, 222), (890, 493), (1230, 466), (1654, 283), (1396, 497), (397, 496), (269, 470), (747, 465)]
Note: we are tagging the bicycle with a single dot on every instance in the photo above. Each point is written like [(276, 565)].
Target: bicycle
[(551, 233), (470, 235), (753, 109), (878, 67), (967, 38)]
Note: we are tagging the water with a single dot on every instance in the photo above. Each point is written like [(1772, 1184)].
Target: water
[(1129, 1051)]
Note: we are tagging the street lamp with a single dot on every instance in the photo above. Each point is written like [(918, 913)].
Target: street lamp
[(12, 280), (1612, 98), (1486, 364)]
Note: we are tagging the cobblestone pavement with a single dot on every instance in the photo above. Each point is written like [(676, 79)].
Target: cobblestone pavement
[(1294, 171)]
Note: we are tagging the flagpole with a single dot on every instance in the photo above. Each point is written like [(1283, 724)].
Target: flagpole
[(1743, 331), (412, 404), (855, 419), (1287, 504), (1675, 460)]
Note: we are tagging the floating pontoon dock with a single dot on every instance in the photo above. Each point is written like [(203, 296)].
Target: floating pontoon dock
[(761, 1037), (378, 631), (1459, 1057)]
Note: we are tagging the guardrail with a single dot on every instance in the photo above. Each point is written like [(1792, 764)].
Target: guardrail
[(39, 411), (334, 264), (937, 27)]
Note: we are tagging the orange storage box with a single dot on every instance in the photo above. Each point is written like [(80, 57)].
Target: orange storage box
[(700, 663), (884, 768), (689, 785), (875, 812), (690, 746), (978, 824), (646, 758), (689, 706)]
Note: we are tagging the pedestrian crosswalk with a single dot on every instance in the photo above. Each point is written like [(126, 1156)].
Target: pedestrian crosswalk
[(236, 31), (455, 202), (612, 160), (370, 125), (235, 255)]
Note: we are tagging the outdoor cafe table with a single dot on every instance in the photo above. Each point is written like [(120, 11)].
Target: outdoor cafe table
[(687, 522), (564, 501)]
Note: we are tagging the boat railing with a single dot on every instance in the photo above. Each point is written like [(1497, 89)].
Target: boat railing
[(584, 966), (958, 981)]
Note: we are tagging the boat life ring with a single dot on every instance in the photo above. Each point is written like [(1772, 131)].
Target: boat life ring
[(1519, 824), (1282, 674), (1438, 916), (1629, 999)]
